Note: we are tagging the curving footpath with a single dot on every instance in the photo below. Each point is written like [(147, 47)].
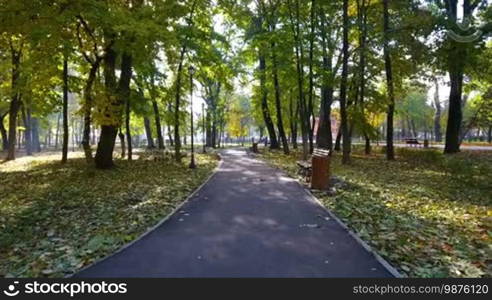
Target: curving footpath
[(248, 220)]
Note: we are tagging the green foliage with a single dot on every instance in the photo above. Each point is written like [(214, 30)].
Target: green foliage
[(239, 119)]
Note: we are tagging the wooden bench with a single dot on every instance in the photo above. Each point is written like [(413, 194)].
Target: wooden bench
[(254, 148), (412, 142), (305, 169)]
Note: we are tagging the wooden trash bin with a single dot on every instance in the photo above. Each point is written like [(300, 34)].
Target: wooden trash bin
[(320, 175)]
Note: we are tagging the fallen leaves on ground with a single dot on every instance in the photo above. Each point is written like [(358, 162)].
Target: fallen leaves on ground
[(56, 219), (429, 214)]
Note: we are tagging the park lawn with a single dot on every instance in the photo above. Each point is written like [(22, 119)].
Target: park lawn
[(429, 215), (55, 219)]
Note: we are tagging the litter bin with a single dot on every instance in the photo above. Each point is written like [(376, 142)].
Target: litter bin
[(320, 175), (426, 143)]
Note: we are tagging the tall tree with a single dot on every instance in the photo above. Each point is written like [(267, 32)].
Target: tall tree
[(310, 108), (179, 74), (278, 107), (65, 110), (390, 152), (16, 50), (363, 28), (437, 115), (157, 116), (458, 54), (324, 138), (94, 60), (343, 87), (295, 24), (3, 132), (259, 22)]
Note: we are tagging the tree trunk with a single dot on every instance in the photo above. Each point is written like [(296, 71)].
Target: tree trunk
[(390, 152), (19, 134), (278, 106), (128, 130), (170, 136), (414, 128), (148, 133), (93, 135), (489, 135), (324, 138), (457, 57), (57, 130), (214, 132), (105, 148), (208, 128), (86, 137), (437, 116), (299, 58), (338, 140), (14, 103), (65, 110), (124, 91), (362, 20), (455, 113), (310, 108), (177, 138), (122, 143), (3, 133), (157, 118), (367, 148), (47, 141), (343, 87), (293, 114), (26, 120), (36, 146), (264, 105)]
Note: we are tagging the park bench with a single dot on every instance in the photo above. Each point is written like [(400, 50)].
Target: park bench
[(254, 148), (305, 169), (412, 142)]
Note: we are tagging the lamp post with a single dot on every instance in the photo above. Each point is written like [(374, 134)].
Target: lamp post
[(203, 116), (191, 71)]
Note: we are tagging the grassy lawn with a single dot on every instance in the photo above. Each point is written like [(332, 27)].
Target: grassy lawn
[(56, 219), (427, 214)]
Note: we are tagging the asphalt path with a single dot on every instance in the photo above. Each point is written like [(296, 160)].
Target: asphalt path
[(248, 220)]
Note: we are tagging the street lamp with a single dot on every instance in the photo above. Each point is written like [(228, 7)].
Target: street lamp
[(203, 116), (191, 71)]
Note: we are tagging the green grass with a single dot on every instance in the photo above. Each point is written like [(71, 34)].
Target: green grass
[(56, 219), (428, 214)]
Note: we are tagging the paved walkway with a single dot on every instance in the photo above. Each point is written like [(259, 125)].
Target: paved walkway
[(249, 220)]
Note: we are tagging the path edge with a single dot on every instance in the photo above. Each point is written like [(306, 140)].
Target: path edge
[(151, 229), (392, 270)]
